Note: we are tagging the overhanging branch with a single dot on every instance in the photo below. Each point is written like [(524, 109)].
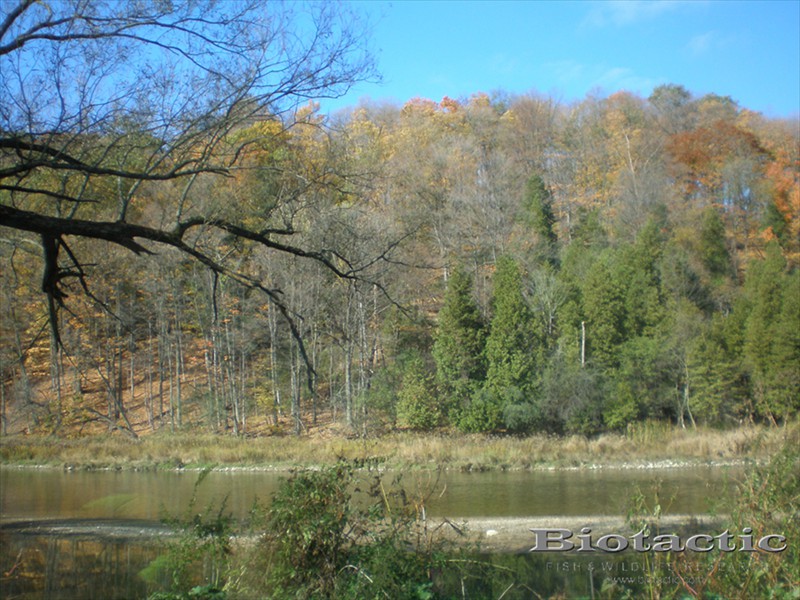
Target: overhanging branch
[(53, 229)]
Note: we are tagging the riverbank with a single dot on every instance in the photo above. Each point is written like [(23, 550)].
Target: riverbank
[(644, 446), (490, 534)]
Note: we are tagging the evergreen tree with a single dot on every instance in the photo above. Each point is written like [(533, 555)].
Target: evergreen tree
[(458, 349), (539, 216), (683, 334), (416, 402), (636, 382), (637, 268), (589, 239), (713, 377), (571, 398), (680, 278), (514, 348), (511, 344), (604, 309), (713, 248), (768, 345), (639, 386), (784, 376)]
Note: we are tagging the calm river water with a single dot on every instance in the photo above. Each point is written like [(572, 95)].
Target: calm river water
[(57, 562), (56, 494)]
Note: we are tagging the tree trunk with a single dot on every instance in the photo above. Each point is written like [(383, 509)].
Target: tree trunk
[(295, 383), (686, 395), (3, 422), (55, 378), (583, 343), (348, 382), (178, 377), (149, 394), (272, 320)]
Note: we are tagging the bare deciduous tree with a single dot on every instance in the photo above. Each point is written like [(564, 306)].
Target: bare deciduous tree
[(102, 103)]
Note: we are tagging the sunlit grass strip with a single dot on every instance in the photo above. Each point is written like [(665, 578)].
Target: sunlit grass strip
[(649, 444)]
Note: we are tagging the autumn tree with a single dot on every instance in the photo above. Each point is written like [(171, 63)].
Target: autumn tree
[(104, 104), (529, 129), (230, 252), (722, 164), (486, 197), (577, 172), (782, 214), (673, 106), (426, 158)]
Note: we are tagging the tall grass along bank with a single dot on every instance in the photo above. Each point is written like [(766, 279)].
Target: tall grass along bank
[(640, 447)]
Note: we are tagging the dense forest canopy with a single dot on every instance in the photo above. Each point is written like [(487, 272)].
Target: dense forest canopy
[(191, 243)]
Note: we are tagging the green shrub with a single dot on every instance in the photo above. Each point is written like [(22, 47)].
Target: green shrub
[(484, 413), (417, 405), (340, 532)]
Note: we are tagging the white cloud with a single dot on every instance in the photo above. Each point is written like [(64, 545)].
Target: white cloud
[(566, 71), (503, 64), (700, 44), (710, 41), (621, 13), (581, 78), (622, 78)]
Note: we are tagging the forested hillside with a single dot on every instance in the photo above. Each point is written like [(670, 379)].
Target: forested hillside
[(491, 263)]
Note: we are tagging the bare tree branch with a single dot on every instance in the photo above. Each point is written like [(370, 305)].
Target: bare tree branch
[(105, 105)]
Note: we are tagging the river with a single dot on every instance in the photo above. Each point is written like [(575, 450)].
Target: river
[(88, 534)]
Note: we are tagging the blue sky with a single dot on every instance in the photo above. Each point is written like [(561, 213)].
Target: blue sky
[(431, 49)]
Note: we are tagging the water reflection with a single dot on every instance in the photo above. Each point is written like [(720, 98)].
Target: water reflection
[(74, 567), (40, 493), (575, 493), (83, 569)]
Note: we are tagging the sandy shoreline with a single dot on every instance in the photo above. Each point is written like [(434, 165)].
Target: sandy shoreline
[(512, 534), (635, 465), (490, 534)]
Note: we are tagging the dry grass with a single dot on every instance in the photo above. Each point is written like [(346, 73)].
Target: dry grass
[(644, 444), (85, 444)]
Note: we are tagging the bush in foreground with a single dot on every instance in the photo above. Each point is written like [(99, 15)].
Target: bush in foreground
[(337, 532)]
